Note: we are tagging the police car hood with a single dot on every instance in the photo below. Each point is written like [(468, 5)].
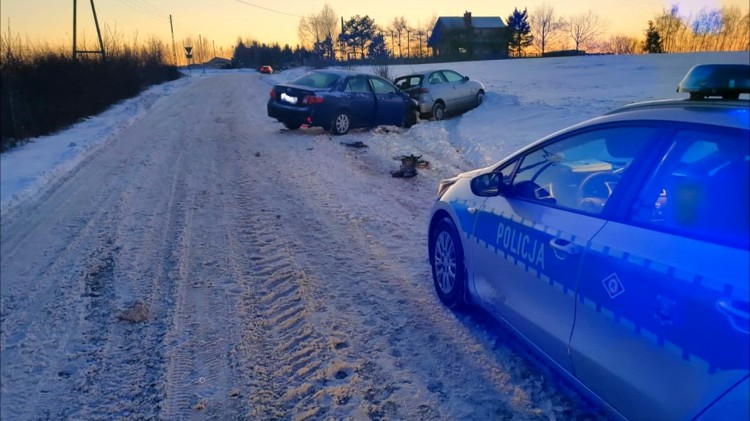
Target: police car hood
[(474, 173)]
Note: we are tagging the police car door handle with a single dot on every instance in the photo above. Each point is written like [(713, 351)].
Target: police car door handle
[(472, 210), (565, 246), (736, 311)]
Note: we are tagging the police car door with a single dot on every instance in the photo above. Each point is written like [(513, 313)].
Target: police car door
[(530, 239), (661, 326)]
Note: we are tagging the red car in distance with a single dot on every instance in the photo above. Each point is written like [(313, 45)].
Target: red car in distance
[(266, 69)]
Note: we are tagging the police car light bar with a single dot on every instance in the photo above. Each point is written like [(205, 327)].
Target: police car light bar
[(727, 81)]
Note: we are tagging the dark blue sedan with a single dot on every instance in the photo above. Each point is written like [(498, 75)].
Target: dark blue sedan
[(339, 100)]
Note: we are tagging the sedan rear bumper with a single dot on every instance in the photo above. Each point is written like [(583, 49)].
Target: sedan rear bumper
[(289, 113)]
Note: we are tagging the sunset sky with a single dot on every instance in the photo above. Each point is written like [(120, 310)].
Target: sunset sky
[(221, 22)]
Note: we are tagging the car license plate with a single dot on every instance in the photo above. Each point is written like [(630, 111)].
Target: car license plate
[(288, 98)]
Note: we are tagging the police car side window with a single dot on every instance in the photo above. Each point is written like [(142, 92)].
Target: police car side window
[(700, 188), (582, 171)]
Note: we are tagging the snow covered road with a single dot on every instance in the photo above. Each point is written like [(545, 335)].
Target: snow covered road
[(284, 274)]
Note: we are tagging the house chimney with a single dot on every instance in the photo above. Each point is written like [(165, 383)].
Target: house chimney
[(467, 18)]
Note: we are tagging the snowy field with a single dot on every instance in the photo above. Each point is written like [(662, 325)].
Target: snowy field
[(276, 274)]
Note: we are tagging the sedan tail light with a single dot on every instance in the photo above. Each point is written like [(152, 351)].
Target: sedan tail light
[(424, 90), (312, 99), (272, 93)]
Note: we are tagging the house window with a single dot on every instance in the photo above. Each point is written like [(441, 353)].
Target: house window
[(462, 50)]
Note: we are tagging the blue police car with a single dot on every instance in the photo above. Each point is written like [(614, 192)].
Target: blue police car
[(618, 249)]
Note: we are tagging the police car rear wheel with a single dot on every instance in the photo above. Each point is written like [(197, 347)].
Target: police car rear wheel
[(448, 270)]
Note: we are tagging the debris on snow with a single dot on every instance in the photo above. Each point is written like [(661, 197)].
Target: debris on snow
[(358, 144), (136, 313), (409, 165)]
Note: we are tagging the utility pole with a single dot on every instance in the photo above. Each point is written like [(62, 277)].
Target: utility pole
[(74, 31), (201, 52), (174, 50), (76, 52)]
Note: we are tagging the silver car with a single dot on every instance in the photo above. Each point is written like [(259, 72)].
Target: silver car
[(441, 92), (619, 249)]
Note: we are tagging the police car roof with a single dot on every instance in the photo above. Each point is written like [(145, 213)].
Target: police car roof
[(729, 113)]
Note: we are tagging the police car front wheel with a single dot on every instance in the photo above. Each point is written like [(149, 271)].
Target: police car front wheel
[(448, 269)]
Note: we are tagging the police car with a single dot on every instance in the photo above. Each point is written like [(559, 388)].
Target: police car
[(618, 249)]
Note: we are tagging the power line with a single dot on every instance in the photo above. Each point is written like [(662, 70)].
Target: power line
[(141, 9), (270, 10), (148, 5)]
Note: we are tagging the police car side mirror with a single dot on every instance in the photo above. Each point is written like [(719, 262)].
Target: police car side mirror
[(487, 185)]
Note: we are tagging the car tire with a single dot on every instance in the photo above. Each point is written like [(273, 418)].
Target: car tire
[(410, 119), (341, 123), (438, 111), (480, 98), (291, 126), (448, 267)]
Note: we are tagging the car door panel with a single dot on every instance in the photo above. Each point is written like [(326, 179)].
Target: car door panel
[(531, 238), (522, 277), (390, 104), (669, 284), (458, 92), (440, 89), (359, 99), (654, 296)]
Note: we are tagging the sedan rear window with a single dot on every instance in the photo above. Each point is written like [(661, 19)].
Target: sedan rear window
[(408, 82), (318, 80)]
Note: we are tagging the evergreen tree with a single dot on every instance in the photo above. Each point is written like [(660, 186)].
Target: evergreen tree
[(324, 49), (377, 48), (358, 33), (519, 32), (653, 42)]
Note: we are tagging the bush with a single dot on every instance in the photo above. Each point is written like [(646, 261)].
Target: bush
[(49, 91), (382, 70)]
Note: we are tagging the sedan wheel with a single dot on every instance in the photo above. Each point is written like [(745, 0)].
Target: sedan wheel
[(480, 98), (438, 111), (340, 124), (448, 271)]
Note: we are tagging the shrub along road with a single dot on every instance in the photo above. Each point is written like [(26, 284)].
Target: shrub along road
[(207, 265)]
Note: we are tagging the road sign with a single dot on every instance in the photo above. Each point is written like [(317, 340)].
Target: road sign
[(188, 50)]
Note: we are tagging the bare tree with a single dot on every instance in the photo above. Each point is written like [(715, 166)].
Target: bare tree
[(316, 27), (670, 26), (422, 33), (724, 29), (730, 17), (621, 44), (584, 28), (544, 26), (743, 36), (397, 28)]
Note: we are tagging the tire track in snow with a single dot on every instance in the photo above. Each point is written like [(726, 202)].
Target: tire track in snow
[(294, 358)]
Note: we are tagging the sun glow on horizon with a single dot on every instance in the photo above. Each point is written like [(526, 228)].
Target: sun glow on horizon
[(221, 23)]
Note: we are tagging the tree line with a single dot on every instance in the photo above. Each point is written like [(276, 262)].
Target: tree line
[(535, 32), (43, 89)]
